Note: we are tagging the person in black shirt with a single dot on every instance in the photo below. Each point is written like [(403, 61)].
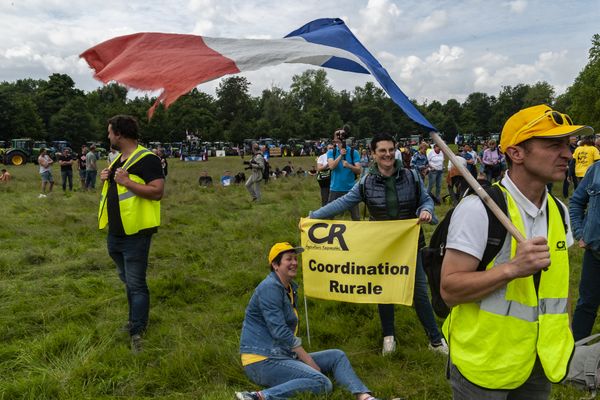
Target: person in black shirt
[(65, 160), (205, 180), (132, 188), (81, 166)]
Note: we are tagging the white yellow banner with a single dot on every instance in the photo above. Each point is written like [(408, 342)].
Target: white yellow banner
[(359, 261)]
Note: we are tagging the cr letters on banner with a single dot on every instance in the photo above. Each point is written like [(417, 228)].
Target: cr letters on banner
[(360, 261)]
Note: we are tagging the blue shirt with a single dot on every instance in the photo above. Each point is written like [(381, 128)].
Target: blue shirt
[(342, 179)]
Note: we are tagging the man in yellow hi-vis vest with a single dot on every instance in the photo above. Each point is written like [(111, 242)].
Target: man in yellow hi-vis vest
[(508, 331), (130, 207)]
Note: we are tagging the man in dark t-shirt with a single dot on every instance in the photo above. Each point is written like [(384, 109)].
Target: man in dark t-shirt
[(81, 166), (130, 206), (65, 160)]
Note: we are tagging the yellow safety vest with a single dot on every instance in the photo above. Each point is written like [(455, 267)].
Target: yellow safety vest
[(136, 213), (494, 342)]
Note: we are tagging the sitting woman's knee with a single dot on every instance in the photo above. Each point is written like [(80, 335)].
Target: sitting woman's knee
[(325, 383)]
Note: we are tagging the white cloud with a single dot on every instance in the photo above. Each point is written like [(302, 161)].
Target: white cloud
[(378, 19), (436, 20), (517, 6)]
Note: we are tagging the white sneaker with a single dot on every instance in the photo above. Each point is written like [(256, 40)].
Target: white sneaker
[(389, 345), (41, 196), (440, 348)]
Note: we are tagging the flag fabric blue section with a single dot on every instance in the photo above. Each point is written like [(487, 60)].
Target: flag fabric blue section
[(333, 32)]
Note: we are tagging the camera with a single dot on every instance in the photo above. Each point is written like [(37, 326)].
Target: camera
[(342, 134)]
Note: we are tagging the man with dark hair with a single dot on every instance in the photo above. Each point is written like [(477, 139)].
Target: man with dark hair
[(392, 192), (81, 166), (65, 160), (508, 329), (130, 207)]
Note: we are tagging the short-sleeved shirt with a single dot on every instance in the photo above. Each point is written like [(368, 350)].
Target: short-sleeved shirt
[(68, 167), (584, 157), (81, 162), (148, 168), (342, 179), (90, 161), (468, 230), (435, 160)]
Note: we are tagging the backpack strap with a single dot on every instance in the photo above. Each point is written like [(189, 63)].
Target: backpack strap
[(496, 231), (561, 210)]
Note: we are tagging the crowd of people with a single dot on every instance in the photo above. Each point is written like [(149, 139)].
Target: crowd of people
[(508, 335)]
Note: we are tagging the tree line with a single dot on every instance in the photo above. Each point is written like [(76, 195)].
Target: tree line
[(54, 109)]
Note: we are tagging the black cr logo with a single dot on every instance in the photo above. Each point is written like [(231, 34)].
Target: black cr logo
[(561, 245), (335, 231)]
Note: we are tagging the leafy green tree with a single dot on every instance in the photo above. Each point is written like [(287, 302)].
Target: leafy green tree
[(583, 96), (476, 113), (75, 123), (54, 94), (235, 108), (539, 93)]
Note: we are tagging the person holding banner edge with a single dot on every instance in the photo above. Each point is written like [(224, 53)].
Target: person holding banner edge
[(272, 355), (390, 192), (508, 330)]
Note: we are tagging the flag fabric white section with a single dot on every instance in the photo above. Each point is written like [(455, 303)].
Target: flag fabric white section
[(253, 54)]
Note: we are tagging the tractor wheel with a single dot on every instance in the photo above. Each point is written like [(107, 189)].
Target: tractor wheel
[(16, 158)]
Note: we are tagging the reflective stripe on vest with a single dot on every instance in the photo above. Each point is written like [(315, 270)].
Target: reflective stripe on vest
[(136, 213), (494, 343)]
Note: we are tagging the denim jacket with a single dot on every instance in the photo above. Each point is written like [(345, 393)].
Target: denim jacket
[(270, 320), (584, 209), (354, 197)]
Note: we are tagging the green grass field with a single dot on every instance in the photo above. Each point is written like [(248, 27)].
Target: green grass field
[(62, 304)]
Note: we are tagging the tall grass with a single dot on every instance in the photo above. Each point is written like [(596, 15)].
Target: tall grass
[(62, 304)]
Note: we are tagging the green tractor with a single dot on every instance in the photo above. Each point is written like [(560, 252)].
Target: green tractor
[(19, 152)]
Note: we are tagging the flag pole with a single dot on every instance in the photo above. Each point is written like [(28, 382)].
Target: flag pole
[(307, 325), (479, 190)]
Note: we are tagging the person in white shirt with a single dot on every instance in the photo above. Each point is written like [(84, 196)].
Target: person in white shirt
[(45, 163), (324, 175), (436, 169)]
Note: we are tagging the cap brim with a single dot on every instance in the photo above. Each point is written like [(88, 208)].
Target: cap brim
[(298, 249), (566, 130)]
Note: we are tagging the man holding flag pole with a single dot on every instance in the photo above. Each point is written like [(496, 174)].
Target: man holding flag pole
[(508, 331)]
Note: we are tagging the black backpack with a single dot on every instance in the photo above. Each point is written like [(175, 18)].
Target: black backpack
[(266, 172), (433, 255)]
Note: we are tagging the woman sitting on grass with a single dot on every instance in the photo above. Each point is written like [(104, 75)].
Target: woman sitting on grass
[(272, 354)]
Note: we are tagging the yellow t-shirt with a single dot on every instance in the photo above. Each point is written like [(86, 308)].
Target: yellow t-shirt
[(584, 157)]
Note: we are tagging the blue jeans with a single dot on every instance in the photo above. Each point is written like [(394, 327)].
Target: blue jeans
[(435, 176), (90, 179), (286, 377), (130, 253), (589, 296), (67, 176), (536, 387), (422, 305)]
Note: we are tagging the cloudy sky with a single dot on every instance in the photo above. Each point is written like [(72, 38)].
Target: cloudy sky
[(434, 50)]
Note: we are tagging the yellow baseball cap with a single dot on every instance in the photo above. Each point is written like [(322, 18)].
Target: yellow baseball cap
[(539, 121), (279, 248)]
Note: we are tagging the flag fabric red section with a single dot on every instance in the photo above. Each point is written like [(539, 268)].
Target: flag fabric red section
[(140, 61)]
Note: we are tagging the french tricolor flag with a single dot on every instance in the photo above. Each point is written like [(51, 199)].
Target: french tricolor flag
[(176, 63)]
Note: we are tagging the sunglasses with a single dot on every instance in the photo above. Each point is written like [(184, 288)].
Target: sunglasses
[(557, 118)]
